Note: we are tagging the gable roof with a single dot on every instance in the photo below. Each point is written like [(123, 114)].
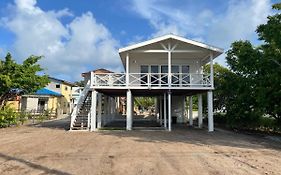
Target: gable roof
[(62, 81), (101, 70), (45, 91), (171, 36)]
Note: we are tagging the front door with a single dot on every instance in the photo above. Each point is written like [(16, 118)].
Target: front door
[(41, 106)]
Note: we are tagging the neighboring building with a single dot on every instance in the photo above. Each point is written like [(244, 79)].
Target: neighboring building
[(41, 101), (65, 89), (15, 103), (55, 98), (169, 68)]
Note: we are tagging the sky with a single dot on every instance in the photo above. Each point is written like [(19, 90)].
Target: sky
[(76, 36)]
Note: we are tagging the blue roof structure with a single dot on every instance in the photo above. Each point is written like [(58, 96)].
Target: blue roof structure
[(45, 91)]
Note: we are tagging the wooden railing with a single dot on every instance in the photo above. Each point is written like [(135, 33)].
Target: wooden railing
[(151, 80), (82, 97)]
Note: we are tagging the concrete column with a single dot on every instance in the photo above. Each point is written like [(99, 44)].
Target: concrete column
[(200, 111), (108, 105), (132, 111), (210, 112), (118, 103), (169, 112), (105, 105), (93, 110), (183, 109), (165, 110), (129, 110), (99, 110), (112, 106), (190, 110)]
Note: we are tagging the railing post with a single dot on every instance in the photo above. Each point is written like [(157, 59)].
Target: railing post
[(149, 80), (91, 79), (211, 70), (169, 68)]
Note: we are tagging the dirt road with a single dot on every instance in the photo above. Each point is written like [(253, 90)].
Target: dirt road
[(51, 150)]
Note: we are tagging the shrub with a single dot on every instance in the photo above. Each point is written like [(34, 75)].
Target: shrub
[(220, 118), (8, 117), (24, 116)]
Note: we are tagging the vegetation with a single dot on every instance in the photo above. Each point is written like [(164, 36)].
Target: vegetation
[(17, 79), (8, 117), (250, 90), (144, 102), (221, 92), (80, 83)]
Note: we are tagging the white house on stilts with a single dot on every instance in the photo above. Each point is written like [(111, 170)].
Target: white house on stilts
[(169, 68)]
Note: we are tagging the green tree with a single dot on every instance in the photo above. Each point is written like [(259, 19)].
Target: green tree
[(255, 82), (80, 83), (144, 102), (269, 80), (20, 78), (220, 93), (243, 108)]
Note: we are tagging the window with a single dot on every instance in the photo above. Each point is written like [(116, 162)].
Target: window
[(175, 74), (65, 88), (57, 85), (185, 74), (144, 71), (154, 75), (164, 76)]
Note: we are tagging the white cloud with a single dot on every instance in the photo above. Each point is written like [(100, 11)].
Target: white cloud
[(238, 21), (69, 49), (166, 18)]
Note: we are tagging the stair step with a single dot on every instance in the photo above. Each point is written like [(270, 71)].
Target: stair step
[(79, 128), (77, 125)]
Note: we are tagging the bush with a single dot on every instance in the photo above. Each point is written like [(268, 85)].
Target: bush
[(24, 116), (8, 117), (220, 118), (269, 124)]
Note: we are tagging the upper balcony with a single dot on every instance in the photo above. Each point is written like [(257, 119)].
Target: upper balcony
[(167, 62), (151, 81)]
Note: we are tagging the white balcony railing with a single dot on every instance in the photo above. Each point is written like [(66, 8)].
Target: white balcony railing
[(151, 80)]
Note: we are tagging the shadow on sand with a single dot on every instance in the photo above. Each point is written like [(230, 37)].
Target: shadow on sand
[(181, 133), (63, 124), (201, 137), (33, 165)]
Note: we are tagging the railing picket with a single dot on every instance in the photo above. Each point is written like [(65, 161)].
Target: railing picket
[(151, 80)]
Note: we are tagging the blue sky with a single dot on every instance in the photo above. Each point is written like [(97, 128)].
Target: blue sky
[(77, 36)]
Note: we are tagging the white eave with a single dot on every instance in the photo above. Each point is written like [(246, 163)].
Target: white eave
[(171, 36)]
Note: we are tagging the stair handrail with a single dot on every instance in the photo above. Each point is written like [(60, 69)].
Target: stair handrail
[(81, 99)]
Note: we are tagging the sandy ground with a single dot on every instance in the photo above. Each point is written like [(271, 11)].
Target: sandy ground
[(52, 150)]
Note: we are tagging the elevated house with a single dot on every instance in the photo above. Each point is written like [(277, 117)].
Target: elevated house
[(169, 68)]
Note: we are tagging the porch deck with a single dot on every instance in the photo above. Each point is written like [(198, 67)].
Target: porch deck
[(150, 81)]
